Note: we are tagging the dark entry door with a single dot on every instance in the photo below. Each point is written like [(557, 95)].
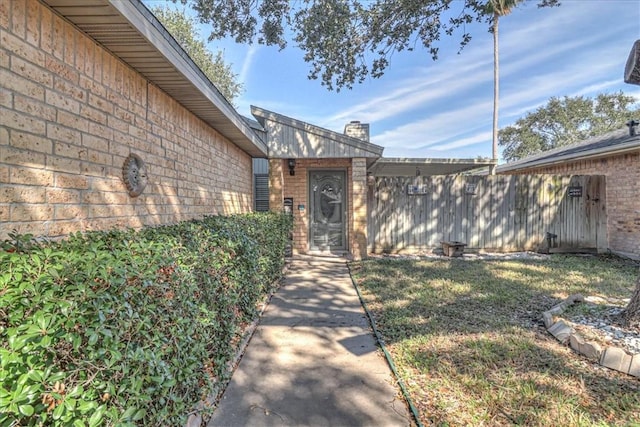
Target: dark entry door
[(328, 210)]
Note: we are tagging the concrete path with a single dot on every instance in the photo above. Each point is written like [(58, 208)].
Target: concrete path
[(313, 360)]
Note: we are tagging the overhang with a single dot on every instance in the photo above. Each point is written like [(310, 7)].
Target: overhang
[(425, 167), (614, 143), (132, 33)]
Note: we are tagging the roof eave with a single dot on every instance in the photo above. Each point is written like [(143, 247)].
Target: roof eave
[(625, 148)]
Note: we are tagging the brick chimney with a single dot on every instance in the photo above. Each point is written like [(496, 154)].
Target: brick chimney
[(355, 129)]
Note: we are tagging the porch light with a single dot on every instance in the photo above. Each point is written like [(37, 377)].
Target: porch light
[(292, 166)]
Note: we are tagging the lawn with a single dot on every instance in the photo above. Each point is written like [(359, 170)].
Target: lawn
[(467, 339)]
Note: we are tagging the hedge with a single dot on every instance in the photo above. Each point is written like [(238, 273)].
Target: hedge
[(129, 327)]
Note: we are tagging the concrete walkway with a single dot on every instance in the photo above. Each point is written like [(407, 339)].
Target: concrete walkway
[(313, 360)]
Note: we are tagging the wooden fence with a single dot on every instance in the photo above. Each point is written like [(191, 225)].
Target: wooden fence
[(502, 212)]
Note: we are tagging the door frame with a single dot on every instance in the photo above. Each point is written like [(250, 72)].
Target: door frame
[(345, 198)]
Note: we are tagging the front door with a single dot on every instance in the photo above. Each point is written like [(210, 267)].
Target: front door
[(328, 210)]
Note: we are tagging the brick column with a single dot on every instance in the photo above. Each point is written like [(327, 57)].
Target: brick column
[(358, 235), (276, 185)]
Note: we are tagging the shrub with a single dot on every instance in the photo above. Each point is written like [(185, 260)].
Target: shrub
[(129, 327)]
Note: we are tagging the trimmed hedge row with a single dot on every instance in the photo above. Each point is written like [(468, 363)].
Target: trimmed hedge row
[(129, 327)]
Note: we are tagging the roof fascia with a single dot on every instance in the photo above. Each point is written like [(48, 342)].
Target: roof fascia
[(630, 146)]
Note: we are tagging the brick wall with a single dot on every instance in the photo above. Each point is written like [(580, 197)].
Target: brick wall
[(623, 201), (71, 112)]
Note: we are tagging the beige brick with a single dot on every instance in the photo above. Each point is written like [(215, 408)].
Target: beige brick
[(4, 14), (100, 130), (16, 120), (93, 114), (21, 85), (46, 30), (62, 70), (34, 108), (61, 133), (70, 45), (100, 198), (63, 102), (62, 196), (21, 48), (25, 212), (4, 171), (21, 194), (71, 181), (19, 18), (4, 136), (93, 87), (100, 103), (72, 151), (92, 142), (58, 163), (67, 88), (33, 23), (64, 228), (89, 57), (4, 215), (4, 59), (28, 141), (15, 156), (73, 121), (58, 37), (65, 212), (30, 176)]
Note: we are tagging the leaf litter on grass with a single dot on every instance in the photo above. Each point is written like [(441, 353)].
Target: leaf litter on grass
[(467, 339)]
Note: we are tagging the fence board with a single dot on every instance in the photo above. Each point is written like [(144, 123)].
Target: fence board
[(505, 212)]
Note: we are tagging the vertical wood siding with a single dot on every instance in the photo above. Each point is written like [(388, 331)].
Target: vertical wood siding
[(504, 212)]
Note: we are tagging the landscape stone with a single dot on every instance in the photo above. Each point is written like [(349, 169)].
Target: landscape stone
[(572, 299), (617, 359), (558, 308), (590, 350), (634, 369), (561, 331), (547, 318)]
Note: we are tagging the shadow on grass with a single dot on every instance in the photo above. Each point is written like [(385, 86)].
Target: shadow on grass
[(467, 338)]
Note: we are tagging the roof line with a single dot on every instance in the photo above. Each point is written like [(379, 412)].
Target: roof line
[(547, 158), (132, 10), (261, 113)]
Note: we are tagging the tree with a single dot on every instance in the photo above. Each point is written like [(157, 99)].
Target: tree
[(563, 121), (345, 40), (183, 29), (631, 314), (498, 8)]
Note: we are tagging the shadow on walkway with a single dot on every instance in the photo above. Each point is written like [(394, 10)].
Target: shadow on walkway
[(313, 360)]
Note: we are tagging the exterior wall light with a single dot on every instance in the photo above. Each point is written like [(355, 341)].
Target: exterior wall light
[(292, 166)]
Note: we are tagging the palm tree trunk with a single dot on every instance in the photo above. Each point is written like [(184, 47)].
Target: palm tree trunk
[(496, 88)]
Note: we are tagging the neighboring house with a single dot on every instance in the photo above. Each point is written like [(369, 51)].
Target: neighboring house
[(88, 87), (615, 155)]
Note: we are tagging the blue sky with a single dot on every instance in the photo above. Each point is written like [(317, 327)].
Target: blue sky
[(443, 108)]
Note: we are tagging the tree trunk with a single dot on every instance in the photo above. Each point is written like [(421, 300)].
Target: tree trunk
[(496, 88), (631, 314)]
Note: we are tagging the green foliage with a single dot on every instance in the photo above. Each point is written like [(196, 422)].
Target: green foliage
[(129, 327), (564, 121), (184, 30), (345, 40)]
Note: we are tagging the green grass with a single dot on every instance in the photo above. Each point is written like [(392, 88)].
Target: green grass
[(466, 338)]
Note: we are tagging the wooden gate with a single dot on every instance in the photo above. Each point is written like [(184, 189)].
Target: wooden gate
[(500, 213)]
